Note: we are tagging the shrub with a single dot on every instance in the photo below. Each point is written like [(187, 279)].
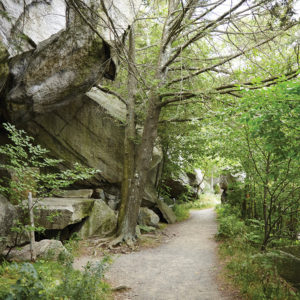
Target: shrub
[(86, 285), (181, 212), (29, 166), (231, 226), (53, 281), (254, 275)]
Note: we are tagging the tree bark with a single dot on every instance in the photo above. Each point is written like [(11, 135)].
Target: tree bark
[(129, 146), (134, 191), (265, 206), (31, 232), (127, 230)]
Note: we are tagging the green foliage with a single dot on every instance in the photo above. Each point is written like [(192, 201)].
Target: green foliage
[(72, 244), (182, 209), (253, 274), (29, 165), (52, 280), (181, 212), (145, 228), (260, 131), (217, 189), (230, 225), (86, 285)]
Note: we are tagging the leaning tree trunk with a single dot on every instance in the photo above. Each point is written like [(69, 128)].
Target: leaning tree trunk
[(131, 203), (143, 161), (129, 146)]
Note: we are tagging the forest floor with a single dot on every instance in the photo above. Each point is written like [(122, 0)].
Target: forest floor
[(183, 265)]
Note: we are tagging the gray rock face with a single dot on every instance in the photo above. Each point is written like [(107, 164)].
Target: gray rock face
[(122, 13), (45, 249), (83, 193), (167, 212), (86, 132), (91, 131), (39, 20), (102, 221), (227, 180), (148, 217), (112, 201), (57, 213), (4, 71), (176, 187), (36, 20), (57, 57), (288, 266), (294, 250), (186, 183), (8, 215), (196, 177)]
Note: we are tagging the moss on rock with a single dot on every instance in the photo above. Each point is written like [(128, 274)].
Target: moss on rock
[(4, 70)]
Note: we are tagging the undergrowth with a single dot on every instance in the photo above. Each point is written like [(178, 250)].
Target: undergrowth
[(250, 271), (52, 280)]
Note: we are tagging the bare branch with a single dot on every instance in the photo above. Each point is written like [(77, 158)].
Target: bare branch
[(230, 58), (181, 120), (108, 91)]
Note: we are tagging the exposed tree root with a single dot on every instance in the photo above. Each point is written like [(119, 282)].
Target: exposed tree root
[(128, 240), (115, 242), (121, 288)]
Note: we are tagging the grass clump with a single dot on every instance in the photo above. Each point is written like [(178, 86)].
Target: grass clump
[(52, 280), (251, 272), (181, 211)]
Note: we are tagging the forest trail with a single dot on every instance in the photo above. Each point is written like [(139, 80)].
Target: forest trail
[(184, 268)]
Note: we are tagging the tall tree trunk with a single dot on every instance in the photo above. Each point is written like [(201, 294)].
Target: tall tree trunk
[(134, 191), (129, 146), (266, 212), (143, 161)]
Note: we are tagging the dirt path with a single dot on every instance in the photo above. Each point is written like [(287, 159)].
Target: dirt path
[(182, 269)]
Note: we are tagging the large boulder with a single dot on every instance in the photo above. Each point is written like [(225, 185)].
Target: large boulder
[(178, 186), (101, 222), (83, 193), (229, 178), (228, 181), (56, 56), (293, 249), (8, 216), (148, 217), (58, 213), (4, 71), (166, 211), (190, 184), (288, 266), (91, 131), (45, 249)]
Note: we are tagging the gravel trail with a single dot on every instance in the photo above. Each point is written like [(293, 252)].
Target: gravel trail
[(184, 268)]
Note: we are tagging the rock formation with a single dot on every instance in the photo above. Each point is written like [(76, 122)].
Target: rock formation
[(190, 184), (57, 51), (45, 249), (52, 55), (8, 216)]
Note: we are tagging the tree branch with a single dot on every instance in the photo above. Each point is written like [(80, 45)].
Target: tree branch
[(108, 91), (230, 58)]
